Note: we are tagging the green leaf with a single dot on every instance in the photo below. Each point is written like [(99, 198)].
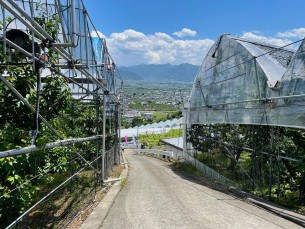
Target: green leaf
[(11, 179)]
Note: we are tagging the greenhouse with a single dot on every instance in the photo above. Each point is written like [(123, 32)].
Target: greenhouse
[(244, 123), (154, 128), (244, 82)]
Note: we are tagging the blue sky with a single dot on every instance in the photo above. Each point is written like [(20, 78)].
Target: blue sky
[(181, 31)]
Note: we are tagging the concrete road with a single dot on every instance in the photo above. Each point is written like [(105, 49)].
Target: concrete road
[(157, 197)]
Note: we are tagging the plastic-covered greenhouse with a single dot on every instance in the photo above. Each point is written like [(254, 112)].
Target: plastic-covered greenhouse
[(244, 124), (244, 82)]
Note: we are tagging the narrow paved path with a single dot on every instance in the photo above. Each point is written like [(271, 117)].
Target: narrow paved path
[(157, 197)]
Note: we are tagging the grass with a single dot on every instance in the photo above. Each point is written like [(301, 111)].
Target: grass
[(221, 163), (152, 106), (159, 116), (186, 168), (116, 171), (124, 182)]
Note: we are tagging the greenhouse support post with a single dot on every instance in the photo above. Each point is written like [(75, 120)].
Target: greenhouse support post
[(104, 137), (4, 29), (119, 134), (96, 128)]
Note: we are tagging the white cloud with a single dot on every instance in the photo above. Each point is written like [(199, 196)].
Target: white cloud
[(97, 34), (152, 57), (293, 33), (127, 35), (132, 48), (256, 31), (185, 32), (265, 40), (163, 36)]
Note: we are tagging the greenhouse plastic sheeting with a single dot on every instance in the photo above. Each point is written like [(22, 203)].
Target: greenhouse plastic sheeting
[(243, 82)]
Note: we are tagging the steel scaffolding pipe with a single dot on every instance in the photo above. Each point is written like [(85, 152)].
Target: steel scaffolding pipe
[(93, 80), (87, 74), (4, 28), (25, 53), (74, 39), (76, 53), (28, 24), (104, 139), (31, 149), (75, 82), (31, 20), (40, 32), (119, 134)]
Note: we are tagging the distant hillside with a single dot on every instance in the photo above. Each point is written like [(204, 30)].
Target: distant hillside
[(130, 75), (182, 72)]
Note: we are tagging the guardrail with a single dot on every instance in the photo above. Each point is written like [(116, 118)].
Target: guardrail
[(167, 155), (129, 146)]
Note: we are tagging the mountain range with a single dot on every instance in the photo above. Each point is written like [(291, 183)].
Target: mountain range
[(182, 72)]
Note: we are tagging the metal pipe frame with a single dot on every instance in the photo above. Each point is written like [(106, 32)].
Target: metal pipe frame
[(29, 23), (4, 30), (27, 54), (104, 137), (64, 45), (60, 18), (31, 149), (86, 35), (38, 88), (119, 134), (95, 81), (26, 19), (68, 66), (40, 32), (79, 85), (65, 55), (255, 100), (97, 128), (74, 40)]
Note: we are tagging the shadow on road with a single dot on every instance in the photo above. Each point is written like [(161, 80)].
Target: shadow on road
[(263, 204), (200, 179)]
